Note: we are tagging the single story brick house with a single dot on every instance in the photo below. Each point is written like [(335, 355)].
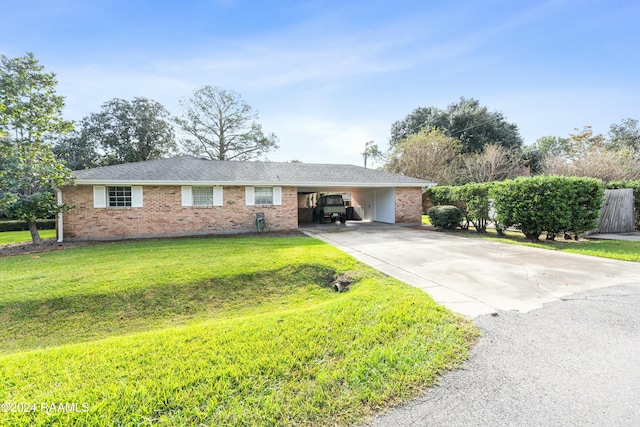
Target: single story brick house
[(186, 195)]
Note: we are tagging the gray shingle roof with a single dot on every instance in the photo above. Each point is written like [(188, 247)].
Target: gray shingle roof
[(189, 170)]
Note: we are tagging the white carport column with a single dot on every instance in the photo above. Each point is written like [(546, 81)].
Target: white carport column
[(385, 205), (59, 201)]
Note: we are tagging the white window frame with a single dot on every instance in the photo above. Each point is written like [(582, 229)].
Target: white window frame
[(263, 196), (276, 196), (101, 198), (189, 196), (119, 200), (202, 196)]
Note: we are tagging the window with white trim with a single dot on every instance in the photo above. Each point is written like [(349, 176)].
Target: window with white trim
[(263, 195), (202, 196), (119, 197)]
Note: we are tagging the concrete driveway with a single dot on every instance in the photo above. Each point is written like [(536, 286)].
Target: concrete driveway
[(474, 276), (561, 332)]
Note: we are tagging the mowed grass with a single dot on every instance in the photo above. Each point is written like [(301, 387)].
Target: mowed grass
[(226, 331), (615, 249), (7, 237)]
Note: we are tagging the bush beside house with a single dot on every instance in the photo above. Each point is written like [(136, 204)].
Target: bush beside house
[(534, 205), (19, 225), (447, 217), (553, 204)]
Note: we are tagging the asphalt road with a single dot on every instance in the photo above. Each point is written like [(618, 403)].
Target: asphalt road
[(574, 362)]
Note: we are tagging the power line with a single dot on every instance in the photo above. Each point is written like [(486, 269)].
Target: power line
[(460, 131)]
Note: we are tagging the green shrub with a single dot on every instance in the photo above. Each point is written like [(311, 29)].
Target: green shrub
[(19, 225), (446, 195), (441, 195), (548, 203), (473, 201), (447, 217)]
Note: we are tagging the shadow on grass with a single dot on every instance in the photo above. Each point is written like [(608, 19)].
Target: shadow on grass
[(78, 318)]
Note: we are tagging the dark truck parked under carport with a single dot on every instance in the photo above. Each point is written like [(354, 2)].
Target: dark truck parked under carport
[(330, 207)]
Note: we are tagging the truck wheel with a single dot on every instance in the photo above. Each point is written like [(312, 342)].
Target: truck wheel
[(333, 219), (343, 219)]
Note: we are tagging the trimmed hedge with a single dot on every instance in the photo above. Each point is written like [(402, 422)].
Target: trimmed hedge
[(447, 217), (18, 225), (554, 204)]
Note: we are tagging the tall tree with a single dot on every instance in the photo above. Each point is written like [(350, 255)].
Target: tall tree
[(493, 163), (547, 146), (76, 150), (29, 111), (29, 106), (222, 126), (591, 155), (468, 121), (126, 131), (625, 134), (429, 155)]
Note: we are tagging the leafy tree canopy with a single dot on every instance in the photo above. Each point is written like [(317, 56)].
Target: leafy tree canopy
[(122, 132), (29, 111), (428, 155), (29, 106), (220, 125), (468, 121), (625, 134), (77, 150)]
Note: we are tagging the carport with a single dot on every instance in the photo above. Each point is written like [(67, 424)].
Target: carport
[(369, 203)]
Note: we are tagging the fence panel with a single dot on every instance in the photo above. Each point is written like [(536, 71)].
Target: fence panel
[(616, 214)]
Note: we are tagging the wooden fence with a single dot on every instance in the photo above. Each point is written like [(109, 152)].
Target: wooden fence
[(616, 214)]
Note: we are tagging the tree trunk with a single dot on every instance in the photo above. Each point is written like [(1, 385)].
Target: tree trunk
[(33, 228)]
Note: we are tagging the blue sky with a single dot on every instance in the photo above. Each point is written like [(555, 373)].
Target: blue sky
[(328, 76)]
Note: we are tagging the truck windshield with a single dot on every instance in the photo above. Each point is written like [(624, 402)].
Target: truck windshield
[(334, 200)]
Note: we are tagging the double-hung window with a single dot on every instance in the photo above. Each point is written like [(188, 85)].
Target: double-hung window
[(129, 196), (263, 195), (202, 196), (119, 197)]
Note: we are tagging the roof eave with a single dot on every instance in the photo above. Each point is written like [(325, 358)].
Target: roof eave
[(332, 184)]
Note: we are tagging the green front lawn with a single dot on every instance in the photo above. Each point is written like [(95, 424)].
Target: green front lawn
[(219, 331), (7, 237), (615, 249)]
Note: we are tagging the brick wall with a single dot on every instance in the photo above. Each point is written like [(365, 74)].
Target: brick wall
[(408, 205), (162, 214)]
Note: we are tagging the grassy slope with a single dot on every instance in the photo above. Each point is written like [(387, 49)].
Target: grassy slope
[(231, 331), (7, 237)]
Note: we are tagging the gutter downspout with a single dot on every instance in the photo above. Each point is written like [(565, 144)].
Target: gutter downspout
[(59, 201)]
